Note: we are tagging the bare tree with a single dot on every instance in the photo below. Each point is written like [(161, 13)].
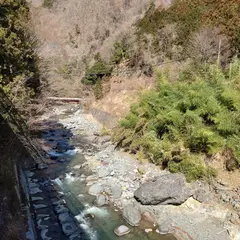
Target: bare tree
[(209, 45)]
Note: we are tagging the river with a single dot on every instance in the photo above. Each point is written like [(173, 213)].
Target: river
[(95, 223)]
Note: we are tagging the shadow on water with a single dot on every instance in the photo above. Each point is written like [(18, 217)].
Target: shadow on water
[(96, 223)]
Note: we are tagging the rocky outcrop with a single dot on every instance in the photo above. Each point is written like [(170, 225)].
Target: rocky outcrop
[(132, 215), (165, 189)]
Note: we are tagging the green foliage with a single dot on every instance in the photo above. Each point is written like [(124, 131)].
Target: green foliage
[(184, 121), (192, 168), (18, 72), (191, 15), (98, 71), (48, 3), (120, 52), (98, 90)]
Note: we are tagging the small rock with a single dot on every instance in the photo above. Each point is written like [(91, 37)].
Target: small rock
[(59, 202), (91, 178), (116, 190), (90, 183), (147, 230), (42, 166), (39, 206), (103, 172), (37, 199), (95, 189), (77, 167), (62, 160), (131, 214), (40, 225), (35, 190), (65, 217), (29, 174), (121, 230), (40, 216), (44, 234), (75, 236), (33, 185), (101, 200), (90, 215), (69, 228), (61, 209), (61, 147)]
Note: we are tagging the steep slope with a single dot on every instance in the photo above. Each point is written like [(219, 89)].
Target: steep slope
[(72, 32)]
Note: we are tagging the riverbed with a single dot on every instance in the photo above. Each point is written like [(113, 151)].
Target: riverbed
[(64, 181)]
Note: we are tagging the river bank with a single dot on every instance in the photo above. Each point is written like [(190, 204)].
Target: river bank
[(112, 177)]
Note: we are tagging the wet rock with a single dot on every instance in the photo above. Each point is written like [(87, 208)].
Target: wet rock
[(61, 209), (62, 160), (101, 200), (103, 172), (41, 216), (44, 234), (69, 228), (59, 202), (131, 214), (54, 157), (166, 189), (121, 230), (29, 174), (42, 166), (95, 189), (44, 223), (37, 199), (65, 217), (33, 185), (62, 147), (75, 236), (35, 190), (39, 206)]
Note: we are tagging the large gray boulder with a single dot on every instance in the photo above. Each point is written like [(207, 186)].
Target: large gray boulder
[(166, 189), (132, 215)]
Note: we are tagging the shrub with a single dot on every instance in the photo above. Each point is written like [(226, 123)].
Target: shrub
[(192, 19), (120, 52), (184, 120), (98, 71), (48, 3)]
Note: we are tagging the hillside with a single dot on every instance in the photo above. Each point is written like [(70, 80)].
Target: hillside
[(120, 118)]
